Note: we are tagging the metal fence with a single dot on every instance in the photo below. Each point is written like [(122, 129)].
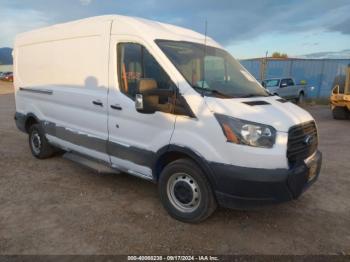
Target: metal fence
[(321, 74)]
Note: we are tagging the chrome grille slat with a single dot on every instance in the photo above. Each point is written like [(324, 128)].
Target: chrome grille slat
[(297, 138), (297, 149)]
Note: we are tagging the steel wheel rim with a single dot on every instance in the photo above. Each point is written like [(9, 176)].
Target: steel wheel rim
[(36, 142), (183, 192)]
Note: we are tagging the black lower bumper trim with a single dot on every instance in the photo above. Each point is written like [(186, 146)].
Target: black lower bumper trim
[(20, 120), (240, 187)]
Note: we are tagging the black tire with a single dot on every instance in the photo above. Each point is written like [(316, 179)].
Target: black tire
[(340, 113), (206, 204), (301, 99), (38, 143)]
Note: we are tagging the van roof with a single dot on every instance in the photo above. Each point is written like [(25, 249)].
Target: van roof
[(144, 28)]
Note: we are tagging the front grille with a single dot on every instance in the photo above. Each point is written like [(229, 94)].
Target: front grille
[(302, 142)]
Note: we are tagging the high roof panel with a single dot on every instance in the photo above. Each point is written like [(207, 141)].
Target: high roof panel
[(141, 27)]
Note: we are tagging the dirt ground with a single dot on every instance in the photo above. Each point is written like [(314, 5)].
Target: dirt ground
[(57, 207), (6, 88)]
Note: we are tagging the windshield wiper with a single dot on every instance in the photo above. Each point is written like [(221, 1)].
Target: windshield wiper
[(251, 95), (220, 93), (200, 88), (213, 91)]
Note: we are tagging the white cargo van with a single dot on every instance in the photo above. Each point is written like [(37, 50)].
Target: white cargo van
[(165, 104)]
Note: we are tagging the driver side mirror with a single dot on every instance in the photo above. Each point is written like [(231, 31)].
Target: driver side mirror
[(139, 102), (148, 97), (144, 101)]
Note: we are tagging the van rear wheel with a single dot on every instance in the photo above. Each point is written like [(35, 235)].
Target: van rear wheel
[(38, 143), (185, 192)]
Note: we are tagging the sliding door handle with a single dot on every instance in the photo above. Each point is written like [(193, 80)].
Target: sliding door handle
[(97, 103), (116, 107)]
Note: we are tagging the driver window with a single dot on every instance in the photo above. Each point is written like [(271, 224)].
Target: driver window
[(290, 82), (134, 63), (284, 82)]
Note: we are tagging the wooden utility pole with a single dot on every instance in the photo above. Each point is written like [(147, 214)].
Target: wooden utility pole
[(263, 67)]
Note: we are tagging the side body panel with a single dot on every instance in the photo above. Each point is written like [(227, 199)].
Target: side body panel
[(58, 81), (134, 137), (297, 90), (283, 91), (288, 92), (292, 89)]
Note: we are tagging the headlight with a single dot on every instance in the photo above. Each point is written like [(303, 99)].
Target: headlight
[(247, 133)]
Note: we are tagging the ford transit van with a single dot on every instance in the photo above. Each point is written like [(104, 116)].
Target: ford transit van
[(166, 104)]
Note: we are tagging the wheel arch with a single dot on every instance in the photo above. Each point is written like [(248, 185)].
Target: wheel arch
[(30, 120), (171, 153)]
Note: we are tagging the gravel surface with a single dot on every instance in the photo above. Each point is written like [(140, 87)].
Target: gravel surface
[(55, 206)]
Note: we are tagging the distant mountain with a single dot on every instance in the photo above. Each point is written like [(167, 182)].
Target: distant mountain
[(344, 54), (6, 56)]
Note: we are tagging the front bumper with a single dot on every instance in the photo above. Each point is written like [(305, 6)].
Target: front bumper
[(240, 187), (20, 120)]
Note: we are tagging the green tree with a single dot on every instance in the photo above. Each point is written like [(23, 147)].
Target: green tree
[(279, 55)]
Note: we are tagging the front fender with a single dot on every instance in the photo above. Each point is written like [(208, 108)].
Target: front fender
[(190, 153)]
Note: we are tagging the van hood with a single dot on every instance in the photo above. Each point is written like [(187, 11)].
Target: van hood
[(271, 110)]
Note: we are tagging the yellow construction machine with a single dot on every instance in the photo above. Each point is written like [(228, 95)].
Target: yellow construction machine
[(340, 98)]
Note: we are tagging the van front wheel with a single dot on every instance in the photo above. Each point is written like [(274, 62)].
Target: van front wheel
[(38, 143), (185, 192)]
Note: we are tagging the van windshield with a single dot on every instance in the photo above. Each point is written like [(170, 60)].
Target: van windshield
[(211, 71)]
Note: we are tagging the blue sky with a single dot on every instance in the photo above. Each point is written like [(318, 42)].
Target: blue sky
[(246, 28)]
